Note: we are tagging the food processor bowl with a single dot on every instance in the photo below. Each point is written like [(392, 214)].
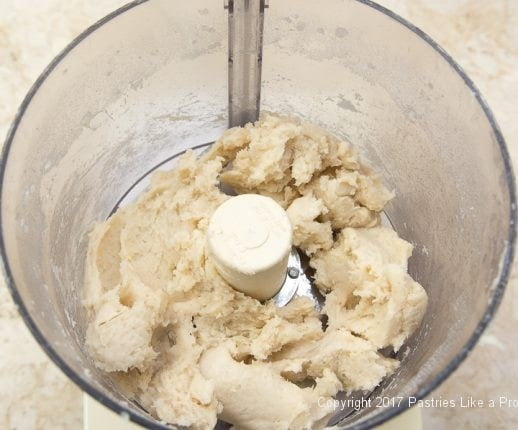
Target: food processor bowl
[(150, 81)]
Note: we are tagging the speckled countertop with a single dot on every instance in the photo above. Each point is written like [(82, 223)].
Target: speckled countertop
[(481, 35)]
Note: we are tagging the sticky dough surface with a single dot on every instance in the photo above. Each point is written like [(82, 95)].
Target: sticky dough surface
[(176, 337)]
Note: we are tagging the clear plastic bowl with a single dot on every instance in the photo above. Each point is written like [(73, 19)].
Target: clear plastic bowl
[(150, 80)]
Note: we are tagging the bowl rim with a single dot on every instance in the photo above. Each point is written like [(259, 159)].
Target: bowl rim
[(386, 414)]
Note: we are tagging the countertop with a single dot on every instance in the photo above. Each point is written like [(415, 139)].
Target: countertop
[(481, 35)]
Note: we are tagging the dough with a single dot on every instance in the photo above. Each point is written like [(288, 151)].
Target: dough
[(177, 338)]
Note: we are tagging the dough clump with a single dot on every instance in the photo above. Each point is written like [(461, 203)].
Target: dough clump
[(177, 338)]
